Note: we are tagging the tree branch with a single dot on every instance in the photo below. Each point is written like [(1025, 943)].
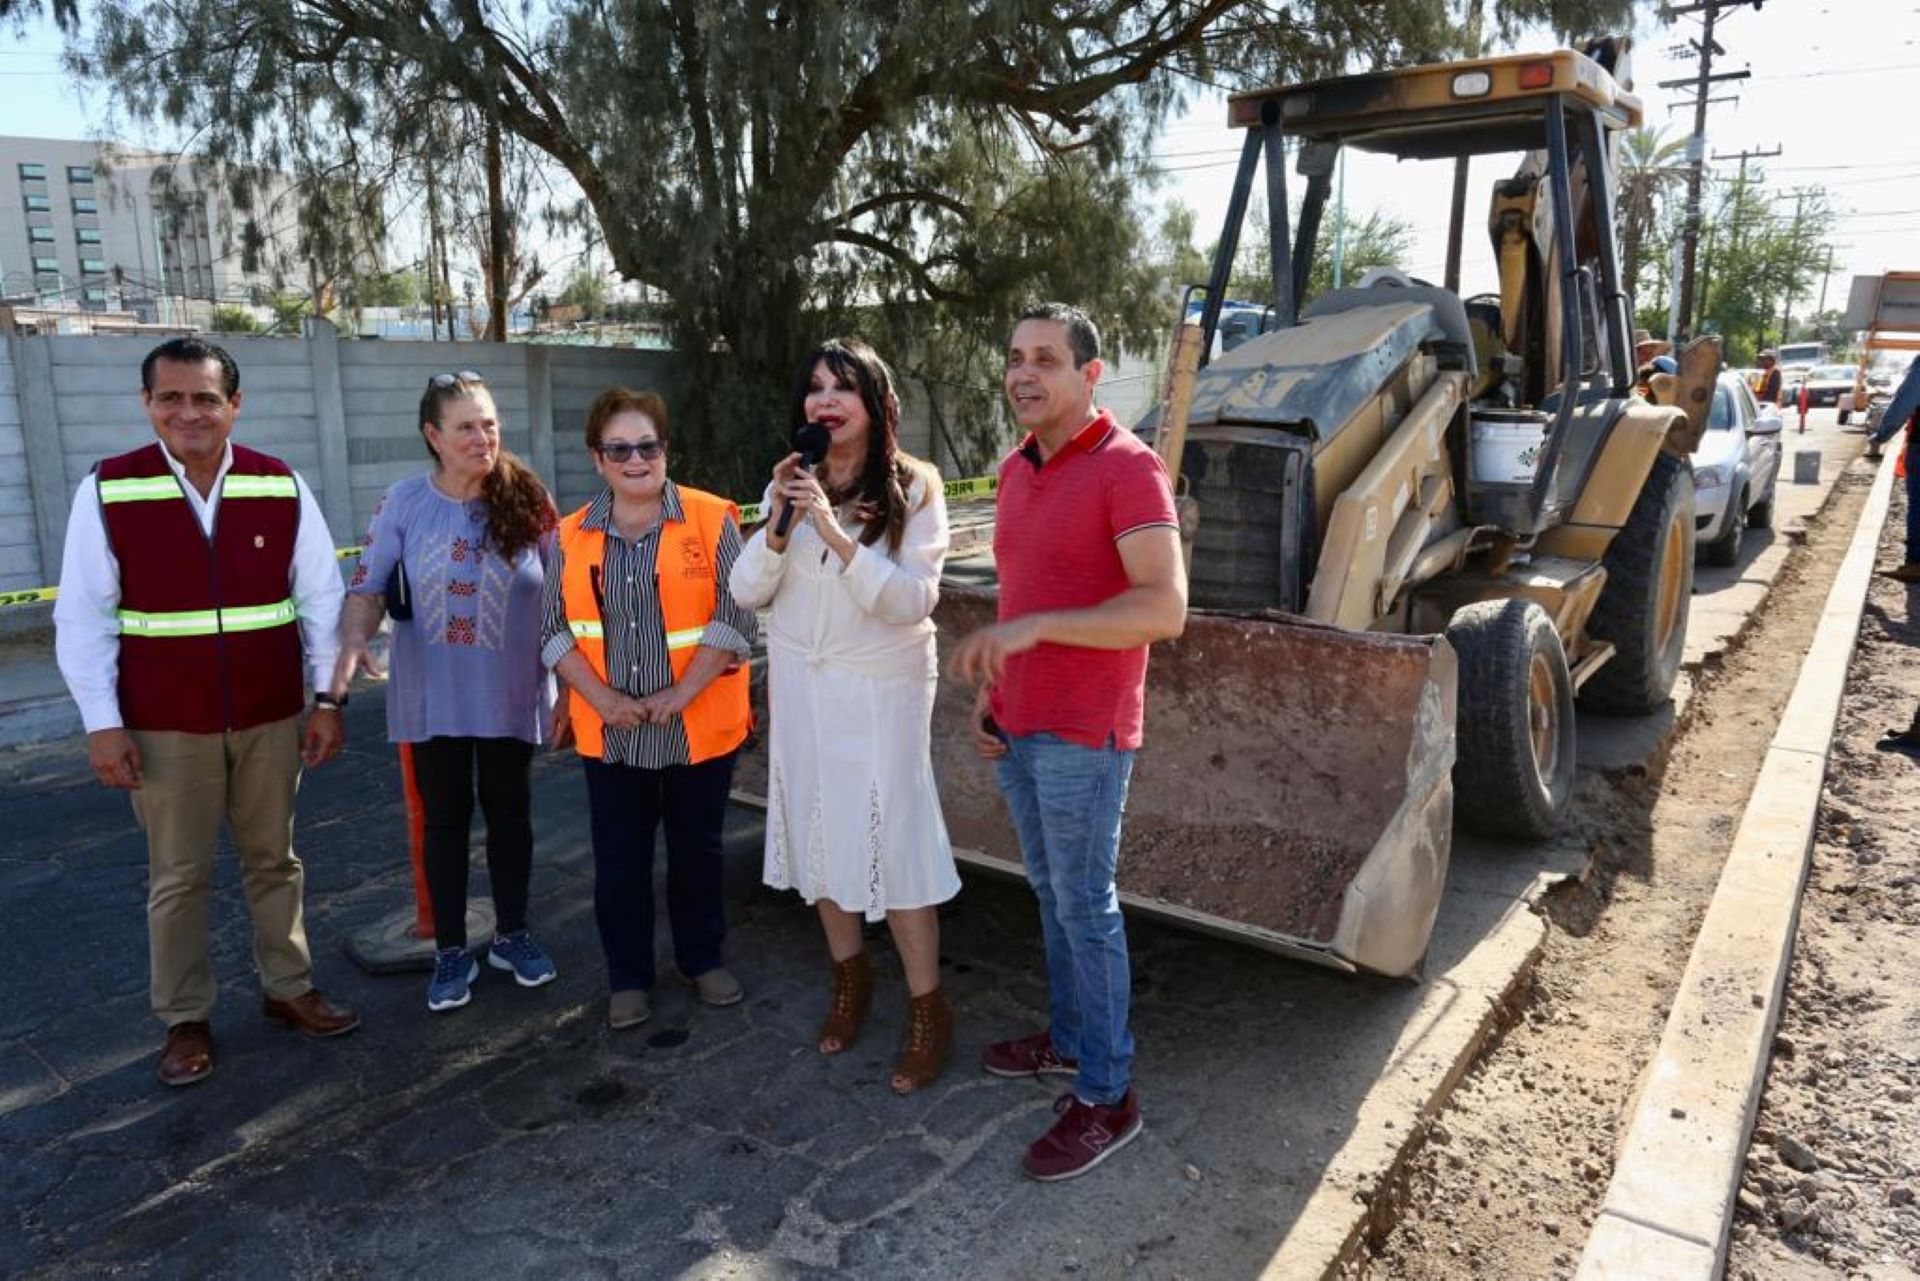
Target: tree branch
[(893, 253)]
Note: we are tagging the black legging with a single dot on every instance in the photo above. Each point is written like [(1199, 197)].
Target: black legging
[(443, 769)]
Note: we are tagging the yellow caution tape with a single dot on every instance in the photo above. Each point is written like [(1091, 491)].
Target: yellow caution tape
[(750, 514), (972, 487)]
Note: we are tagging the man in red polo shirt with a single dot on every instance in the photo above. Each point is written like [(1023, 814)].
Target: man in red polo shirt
[(1088, 554)]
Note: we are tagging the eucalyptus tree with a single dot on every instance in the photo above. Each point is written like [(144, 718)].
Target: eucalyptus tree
[(782, 169)]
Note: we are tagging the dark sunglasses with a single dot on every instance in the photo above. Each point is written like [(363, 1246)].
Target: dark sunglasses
[(440, 382), (620, 450)]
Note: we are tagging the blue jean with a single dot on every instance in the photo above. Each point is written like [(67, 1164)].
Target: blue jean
[(1913, 497), (1067, 801), (626, 804)]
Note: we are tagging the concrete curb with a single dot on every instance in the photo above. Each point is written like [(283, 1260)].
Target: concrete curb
[(1670, 1204)]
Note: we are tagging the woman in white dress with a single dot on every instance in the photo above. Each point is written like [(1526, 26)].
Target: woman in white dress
[(853, 819)]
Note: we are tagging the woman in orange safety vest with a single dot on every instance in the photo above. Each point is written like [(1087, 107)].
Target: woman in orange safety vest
[(653, 649)]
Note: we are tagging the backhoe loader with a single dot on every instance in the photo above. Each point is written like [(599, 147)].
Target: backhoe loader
[(1421, 525)]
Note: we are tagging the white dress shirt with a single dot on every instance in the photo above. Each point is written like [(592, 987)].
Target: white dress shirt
[(86, 613)]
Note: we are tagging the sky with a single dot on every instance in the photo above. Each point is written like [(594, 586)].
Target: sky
[(1833, 86)]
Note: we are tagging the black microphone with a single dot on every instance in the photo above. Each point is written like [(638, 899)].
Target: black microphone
[(810, 441)]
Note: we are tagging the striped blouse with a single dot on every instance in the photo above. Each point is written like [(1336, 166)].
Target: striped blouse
[(636, 634)]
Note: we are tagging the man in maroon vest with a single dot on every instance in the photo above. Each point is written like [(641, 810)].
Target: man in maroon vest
[(199, 601)]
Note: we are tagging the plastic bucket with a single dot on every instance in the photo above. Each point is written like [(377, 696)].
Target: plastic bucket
[(1505, 451)]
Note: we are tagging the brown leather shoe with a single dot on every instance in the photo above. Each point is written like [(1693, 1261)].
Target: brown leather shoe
[(312, 1013), (852, 998), (1909, 572), (188, 1056), (929, 1042)]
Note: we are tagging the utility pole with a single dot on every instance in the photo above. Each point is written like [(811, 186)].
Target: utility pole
[(1825, 275), (1739, 201), (1682, 323), (1793, 254)]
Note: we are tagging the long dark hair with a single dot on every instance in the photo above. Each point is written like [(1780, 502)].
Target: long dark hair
[(519, 510), (879, 493)]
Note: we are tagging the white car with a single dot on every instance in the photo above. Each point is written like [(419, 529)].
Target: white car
[(1735, 470)]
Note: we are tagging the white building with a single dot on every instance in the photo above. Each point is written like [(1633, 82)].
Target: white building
[(104, 227)]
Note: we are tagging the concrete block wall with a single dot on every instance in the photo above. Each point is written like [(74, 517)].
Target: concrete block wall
[(380, 385), (20, 566), (342, 414), (573, 377)]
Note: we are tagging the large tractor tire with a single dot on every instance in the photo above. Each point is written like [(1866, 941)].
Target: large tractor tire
[(1514, 736), (1643, 608)]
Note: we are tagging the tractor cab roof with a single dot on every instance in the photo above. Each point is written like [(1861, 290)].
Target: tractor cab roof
[(1443, 109)]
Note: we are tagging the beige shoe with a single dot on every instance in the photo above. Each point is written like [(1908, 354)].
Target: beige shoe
[(628, 1009), (717, 987)]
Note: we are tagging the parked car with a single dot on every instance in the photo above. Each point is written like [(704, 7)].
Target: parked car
[(1239, 321), (1879, 383), (1735, 470), (1826, 384)]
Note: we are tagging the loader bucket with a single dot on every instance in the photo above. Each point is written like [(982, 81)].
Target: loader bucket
[(1294, 792)]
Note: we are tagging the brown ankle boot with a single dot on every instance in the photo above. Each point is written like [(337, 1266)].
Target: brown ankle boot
[(929, 1042), (852, 998)]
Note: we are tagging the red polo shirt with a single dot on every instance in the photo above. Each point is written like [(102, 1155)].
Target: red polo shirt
[(1054, 544)]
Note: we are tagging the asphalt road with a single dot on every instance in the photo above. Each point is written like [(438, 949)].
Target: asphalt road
[(520, 1136)]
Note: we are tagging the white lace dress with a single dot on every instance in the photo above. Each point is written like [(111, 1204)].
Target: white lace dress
[(852, 812)]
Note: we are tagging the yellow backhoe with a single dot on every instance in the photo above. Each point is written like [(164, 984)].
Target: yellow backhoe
[(1421, 525)]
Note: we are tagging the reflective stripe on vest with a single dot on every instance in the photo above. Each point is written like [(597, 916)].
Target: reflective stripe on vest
[(594, 629), (142, 489), (259, 487), (139, 489), (207, 622)]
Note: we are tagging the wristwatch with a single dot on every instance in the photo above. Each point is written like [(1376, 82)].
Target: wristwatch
[(328, 702)]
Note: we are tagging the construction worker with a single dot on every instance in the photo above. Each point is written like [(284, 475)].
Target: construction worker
[(1902, 411), (1766, 385)]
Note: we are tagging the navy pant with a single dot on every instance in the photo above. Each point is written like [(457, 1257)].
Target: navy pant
[(628, 803)]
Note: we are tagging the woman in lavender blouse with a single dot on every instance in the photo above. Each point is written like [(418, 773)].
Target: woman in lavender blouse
[(468, 695)]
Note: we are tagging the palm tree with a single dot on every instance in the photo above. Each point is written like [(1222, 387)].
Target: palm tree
[(1650, 164)]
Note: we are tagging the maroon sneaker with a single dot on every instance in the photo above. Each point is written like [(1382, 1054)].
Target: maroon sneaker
[(1029, 1056), (1085, 1135)]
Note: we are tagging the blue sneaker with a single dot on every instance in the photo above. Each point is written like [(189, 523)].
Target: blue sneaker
[(453, 971), (518, 952)]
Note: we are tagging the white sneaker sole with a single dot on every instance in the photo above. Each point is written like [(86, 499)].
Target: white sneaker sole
[(473, 972), (1022, 1074), (499, 962)]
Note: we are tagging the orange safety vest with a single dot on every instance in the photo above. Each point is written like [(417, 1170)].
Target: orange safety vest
[(685, 571)]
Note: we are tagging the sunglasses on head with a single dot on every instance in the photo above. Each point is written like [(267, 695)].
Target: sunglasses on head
[(621, 450), (440, 382)]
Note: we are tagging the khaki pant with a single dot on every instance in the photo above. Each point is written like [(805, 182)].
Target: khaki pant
[(190, 782)]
